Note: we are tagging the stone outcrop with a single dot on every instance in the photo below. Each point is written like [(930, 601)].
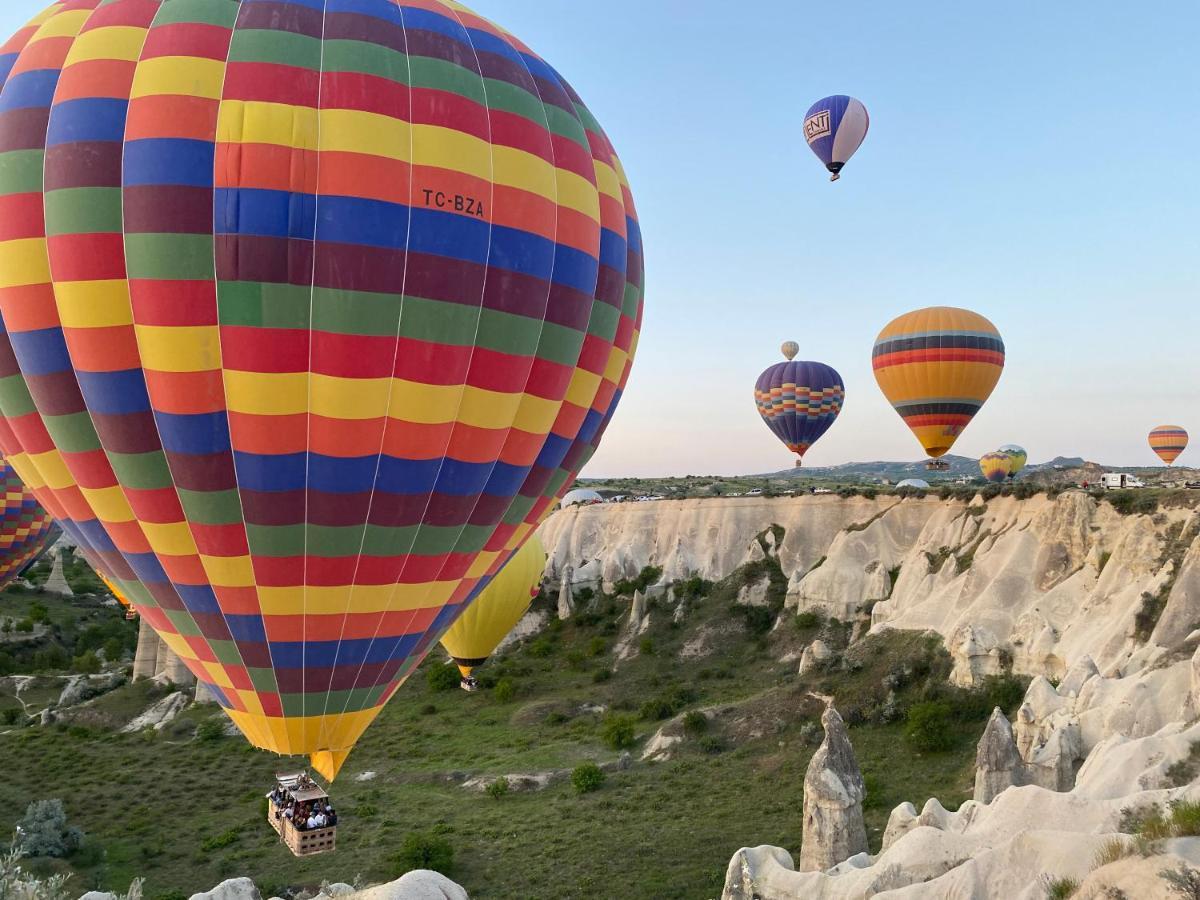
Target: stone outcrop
[(154, 659), (56, 581), (566, 602), (814, 654), (833, 795), (998, 764)]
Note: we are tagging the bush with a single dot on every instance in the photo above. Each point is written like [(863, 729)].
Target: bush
[(807, 620), (668, 704), (505, 690), (1184, 881), (498, 788), (422, 850), (587, 777), (1132, 503), (210, 730), (618, 731), (44, 830), (542, 648), (10, 716), (427, 710), (597, 646), (602, 675), (695, 722), (38, 613), (928, 726), (442, 677), (220, 841), (1060, 888), (710, 745), (646, 646)]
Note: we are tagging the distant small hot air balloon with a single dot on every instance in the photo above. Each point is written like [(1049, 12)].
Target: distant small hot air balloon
[(479, 630), (1168, 441), (789, 349), (834, 128), (26, 530), (1017, 458), (799, 400), (995, 466), (937, 367)]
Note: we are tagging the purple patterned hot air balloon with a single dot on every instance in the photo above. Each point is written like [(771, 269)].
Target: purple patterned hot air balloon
[(799, 401)]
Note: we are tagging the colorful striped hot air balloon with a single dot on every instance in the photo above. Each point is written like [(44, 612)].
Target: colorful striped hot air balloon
[(835, 128), (799, 400), (995, 466), (1168, 441), (479, 630), (936, 367), (26, 530), (1017, 458), (314, 308)]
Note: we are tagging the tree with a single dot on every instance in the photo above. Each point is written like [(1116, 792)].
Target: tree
[(44, 830), (422, 850)]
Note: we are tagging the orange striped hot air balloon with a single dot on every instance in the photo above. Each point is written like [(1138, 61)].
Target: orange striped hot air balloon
[(1168, 441), (937, 367)]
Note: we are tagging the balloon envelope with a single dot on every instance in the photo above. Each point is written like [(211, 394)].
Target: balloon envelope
[(1168, 441), (798, 401), (835, 128), (937, 367), (313, 311), (995, 466), (497, 609), (1017, 458), (26, 530), (581, 495), (789, 349), (919, 484)]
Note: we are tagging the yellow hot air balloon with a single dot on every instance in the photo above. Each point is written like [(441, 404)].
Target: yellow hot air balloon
[(479, 630), (789, 349), (937, 366)]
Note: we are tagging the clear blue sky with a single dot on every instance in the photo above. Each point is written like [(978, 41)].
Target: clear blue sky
[(1036, 162)]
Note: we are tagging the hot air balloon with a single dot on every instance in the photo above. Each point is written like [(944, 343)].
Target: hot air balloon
[(1168, 441), (834, 128), (936, 367), (313, 311), (496, 611), (799, 401), (1017, 458), (789, 349), (26, 530), (995, 466)]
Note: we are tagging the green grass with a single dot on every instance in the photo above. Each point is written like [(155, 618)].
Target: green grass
[(723, 790)]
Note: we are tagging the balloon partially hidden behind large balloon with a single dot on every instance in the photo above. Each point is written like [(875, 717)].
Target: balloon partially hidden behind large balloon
[(789, 349), (937, 367), (497, 609), (1168, 441), (26, 530), (303, 345), (798, 401), (835, 128)]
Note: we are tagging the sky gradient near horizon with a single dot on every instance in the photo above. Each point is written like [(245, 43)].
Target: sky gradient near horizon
[(1033, 162)]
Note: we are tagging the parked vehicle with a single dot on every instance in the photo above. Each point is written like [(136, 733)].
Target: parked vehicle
[(1119, 480)]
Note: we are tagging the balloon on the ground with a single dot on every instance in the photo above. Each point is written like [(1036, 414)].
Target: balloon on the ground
[(497, 609), (798, 401), (26, 530), (1017, 458), (918, 484), (1168, 441), (834, 128), (789, 349), (313, 311), (995, 466), (580, 496), (937, 367)]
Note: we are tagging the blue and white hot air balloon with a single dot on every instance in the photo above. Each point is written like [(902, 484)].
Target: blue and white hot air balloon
[(835, 128)]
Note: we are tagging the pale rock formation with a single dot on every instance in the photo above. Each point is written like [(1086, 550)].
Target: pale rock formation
[(418, 885), (1077, 676), (976, 654), (518, 782), (1134, 876), (56, 582), (530, 624), (659, 747), (160, 713), (170, 668), (833, 794), (84, 687), (203, 693), (231, 889), (145, 658), (637, 613), (566, 604), (998, 765), (816, 652), (1182, 612), (754, 594)]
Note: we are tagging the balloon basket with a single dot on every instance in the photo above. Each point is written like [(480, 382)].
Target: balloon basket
[(937, 465), (468, 684)]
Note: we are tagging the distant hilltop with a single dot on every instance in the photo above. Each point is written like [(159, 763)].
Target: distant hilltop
[(896, 470)]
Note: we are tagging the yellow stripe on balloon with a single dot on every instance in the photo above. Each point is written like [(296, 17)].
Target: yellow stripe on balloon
[(354, 131), (93, 304), (116, 42), (186, 76), (179, 348), (23, 262), (260, 122)]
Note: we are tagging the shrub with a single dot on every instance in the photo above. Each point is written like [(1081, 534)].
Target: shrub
[(1104, 558), (668, 704), (1148, 614), (618, 731), (1132, 503), (808, 620), (928, 726), (1184, 881), (1110, 851), (44, 830), (542, 648), (210, 730), (1060, 888), (758, 619), (711, 745), (555, 718), (10, 716), (442, 677), (646, 646), (498, 788), (601, 675), (1185, 818), (38, 613), (421, 850), (587, 777), (695, 722), (1004, 691), (1182, 771), (597, 646), (219, 841), (505, 690), (428, 709)]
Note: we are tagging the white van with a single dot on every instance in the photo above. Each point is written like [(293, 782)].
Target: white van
[(1117, 480)]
